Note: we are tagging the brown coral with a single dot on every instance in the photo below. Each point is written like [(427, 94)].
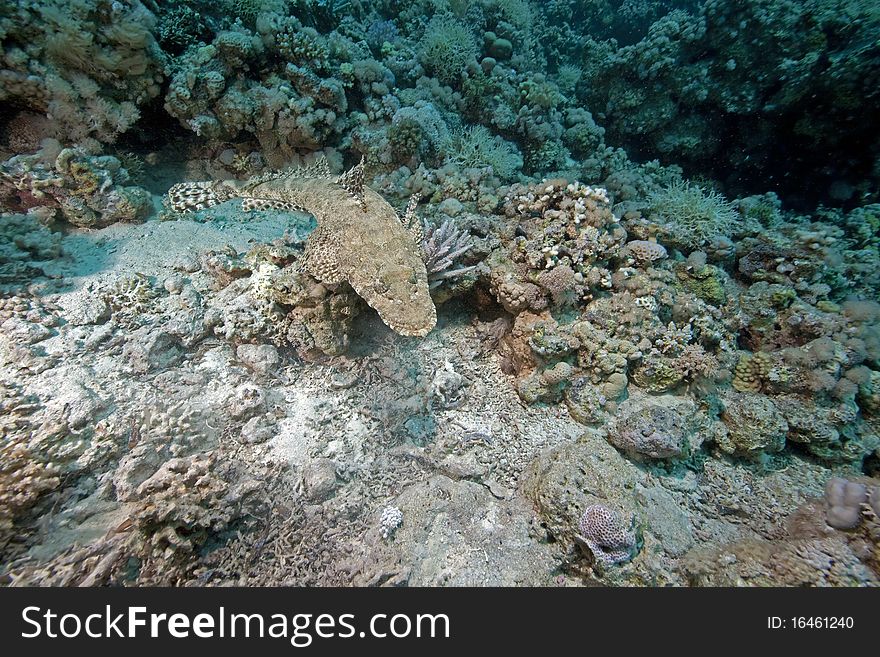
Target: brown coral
[(646, 251), (751, 371)]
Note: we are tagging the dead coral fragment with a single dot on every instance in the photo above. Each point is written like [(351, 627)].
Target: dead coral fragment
[(23, 480), (186, 502)]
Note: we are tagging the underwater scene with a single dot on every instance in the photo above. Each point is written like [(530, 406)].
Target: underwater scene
[(440, 293)]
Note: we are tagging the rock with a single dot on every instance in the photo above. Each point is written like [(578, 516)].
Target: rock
[(663, 427), (343, 380), (135, 468), (174, 284), (87, 309), (497, 490), (247, 402), (257, 430), (188, 263), (666, 520), (451, 207), (791, 562), (22, 331), (74, 403), (148, 349), (319, 480), (755, 425), (462, 467), (98, 336), (564, 481), (812, 427), (456, 533), (188, 327), (585, 401), (261, 358)]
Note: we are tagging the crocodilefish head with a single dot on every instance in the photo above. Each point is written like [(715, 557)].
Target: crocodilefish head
[(401, 297)]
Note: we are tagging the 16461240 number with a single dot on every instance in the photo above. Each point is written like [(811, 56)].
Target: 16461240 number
[(810, 622)]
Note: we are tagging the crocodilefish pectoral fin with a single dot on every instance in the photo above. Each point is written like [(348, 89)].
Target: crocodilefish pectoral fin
[(321, 258)]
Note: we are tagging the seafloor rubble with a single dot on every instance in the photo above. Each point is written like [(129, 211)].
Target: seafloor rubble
[(642, 373)]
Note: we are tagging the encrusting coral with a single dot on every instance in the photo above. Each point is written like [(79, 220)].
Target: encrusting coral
[(85, 190)]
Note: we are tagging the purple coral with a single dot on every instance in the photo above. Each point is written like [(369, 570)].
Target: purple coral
[(610, 539), (441, 245)]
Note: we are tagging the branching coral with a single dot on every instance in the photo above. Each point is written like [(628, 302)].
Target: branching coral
[(477, 147), (447, 48), (691, 215), (441, 246)]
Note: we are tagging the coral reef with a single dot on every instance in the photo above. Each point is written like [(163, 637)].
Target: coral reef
[(703, 111), (88, 65), (603, 350), (85, 190)]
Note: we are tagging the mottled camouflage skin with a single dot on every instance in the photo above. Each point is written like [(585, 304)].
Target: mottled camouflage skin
[(359, 239)]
